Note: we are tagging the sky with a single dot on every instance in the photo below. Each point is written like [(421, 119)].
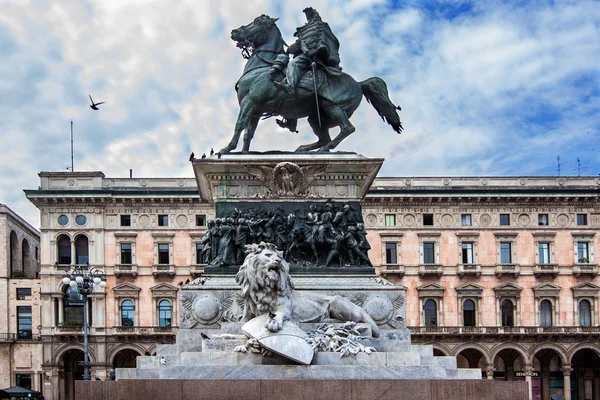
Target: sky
[(486, 87)]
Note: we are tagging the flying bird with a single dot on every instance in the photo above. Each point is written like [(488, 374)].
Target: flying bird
[(212, 151), (192, 156), (94, 106), (203, 156)]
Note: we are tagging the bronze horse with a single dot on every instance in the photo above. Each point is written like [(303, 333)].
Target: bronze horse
[(261, 42)]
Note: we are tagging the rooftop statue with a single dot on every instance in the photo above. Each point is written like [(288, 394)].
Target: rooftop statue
[(311, 85)]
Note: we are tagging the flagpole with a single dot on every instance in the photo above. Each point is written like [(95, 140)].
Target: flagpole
[(72, 146)]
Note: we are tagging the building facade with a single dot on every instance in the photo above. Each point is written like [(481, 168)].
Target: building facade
[(499, 272), (20, 348)]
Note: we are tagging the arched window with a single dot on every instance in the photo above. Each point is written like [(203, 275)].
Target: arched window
[(64, 250), (507, 313), (545, 313), (81, 249), (469, 313), (73, 307), (585, 313), (127, 313), (25, 254), (430, 308), (14, 252), (164, 313)]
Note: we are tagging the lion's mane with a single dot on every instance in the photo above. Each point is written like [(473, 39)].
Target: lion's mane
[(262, 282)]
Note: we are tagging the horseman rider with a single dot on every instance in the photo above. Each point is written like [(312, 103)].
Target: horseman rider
[(316, 43)]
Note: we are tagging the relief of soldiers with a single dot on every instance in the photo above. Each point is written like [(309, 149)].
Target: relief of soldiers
[(315, 236)]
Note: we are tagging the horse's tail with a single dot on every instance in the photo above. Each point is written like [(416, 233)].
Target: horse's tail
[(375, 90)]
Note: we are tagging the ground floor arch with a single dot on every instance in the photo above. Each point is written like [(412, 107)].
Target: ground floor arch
[(70, 371), (585, 374)]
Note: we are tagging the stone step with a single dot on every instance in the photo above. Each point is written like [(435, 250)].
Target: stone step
[(167, 350), (440, 361), (294, 372), (425, 350)]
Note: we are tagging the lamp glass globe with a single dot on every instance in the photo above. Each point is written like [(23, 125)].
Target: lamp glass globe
[(97, 280), (73, 284), (79, 279), (102, 284), (66, 280)]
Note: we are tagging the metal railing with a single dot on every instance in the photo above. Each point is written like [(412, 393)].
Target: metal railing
[(7, 337)]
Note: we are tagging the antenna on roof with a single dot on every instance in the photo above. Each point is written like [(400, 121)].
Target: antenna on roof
[(72, 146), (558, 164)]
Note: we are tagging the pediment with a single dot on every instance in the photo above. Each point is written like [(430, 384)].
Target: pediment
[(585, 289), (508, 287), (470, 287), (431, 286), (126, 287), (546, 286), (163, 287)]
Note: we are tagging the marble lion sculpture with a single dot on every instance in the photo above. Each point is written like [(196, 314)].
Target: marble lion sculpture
[(267, 288)]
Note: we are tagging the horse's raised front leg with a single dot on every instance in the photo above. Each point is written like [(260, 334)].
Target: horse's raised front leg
[(340, 118), (250, 129), (243, 121), (322, 132)]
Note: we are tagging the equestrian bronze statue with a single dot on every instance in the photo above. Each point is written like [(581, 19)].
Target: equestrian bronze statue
[(311, 85)]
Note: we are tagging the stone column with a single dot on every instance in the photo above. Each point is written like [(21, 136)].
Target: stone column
[(73, 253), (528, 373), (566, 370), (60, 310), (489, 371)]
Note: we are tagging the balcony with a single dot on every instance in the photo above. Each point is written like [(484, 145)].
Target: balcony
[(585, 269), (163, 269), (430, 269), (545, 269), (469, 269), (503, 330), (392, 269), (142, 330), (512, 269), (70, 329), (197, 270), (126, 269), (7, 337)]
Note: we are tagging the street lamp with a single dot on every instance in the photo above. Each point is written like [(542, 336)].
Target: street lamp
[(84, 279)]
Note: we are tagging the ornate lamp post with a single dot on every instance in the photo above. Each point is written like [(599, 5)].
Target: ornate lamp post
[(84, 280)]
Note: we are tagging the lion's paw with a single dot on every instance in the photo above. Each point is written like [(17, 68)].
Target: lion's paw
[(240, 349), (274, 325)]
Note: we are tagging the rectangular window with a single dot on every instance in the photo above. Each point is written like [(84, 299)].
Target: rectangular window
[(428, 253), (465, 219), (543, 219), (390, 219), (199, 248), (23, 380), (428, 219), (23, 293), (201, 220), (504, 219), (544, 253), (163, 253), (467, 253), (24, 330), (505, 253), (583, 254), (581, 219), (390, 253), (163, 220), (125, 220), (37, 253), (126, 253)]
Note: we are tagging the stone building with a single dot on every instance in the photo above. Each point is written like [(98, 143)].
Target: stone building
[(500, 272), (20, 348)]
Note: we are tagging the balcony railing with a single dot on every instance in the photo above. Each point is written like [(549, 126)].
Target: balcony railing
[(545, 269), (69, 329), (512, 269), (142, 330), (392, 269), (7, 337), (469, 269), (125, 269), (502, 330), (430, 269), (581, 269), (160, 269)]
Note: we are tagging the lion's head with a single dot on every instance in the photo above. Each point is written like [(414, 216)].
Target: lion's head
[(264, 276)]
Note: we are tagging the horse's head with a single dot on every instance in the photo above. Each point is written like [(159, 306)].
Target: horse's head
[(255, 33)]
